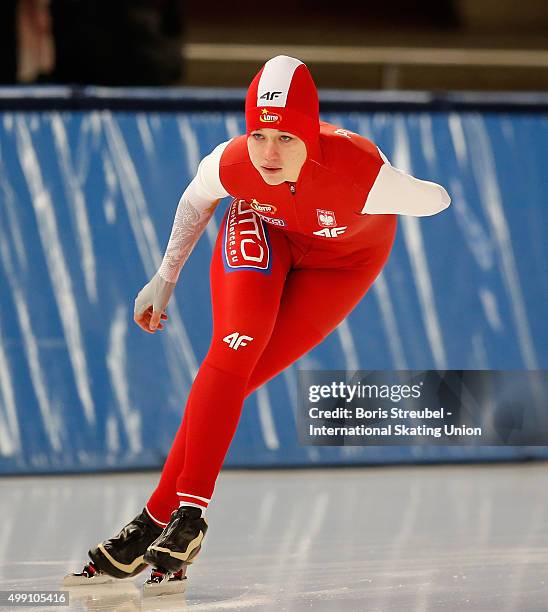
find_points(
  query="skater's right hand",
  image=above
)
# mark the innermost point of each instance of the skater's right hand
(151, 303)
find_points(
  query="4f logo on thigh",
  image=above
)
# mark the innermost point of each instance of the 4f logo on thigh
(236, 340)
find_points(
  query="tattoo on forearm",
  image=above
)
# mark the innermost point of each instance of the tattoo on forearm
(187, 228)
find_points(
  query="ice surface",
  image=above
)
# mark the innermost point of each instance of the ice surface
(414, 538)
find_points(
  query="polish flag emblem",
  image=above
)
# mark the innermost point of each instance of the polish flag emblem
(326, 218)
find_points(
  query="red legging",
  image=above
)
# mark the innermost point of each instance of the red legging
(285, 302)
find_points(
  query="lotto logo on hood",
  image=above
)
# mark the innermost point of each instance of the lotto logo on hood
(269, 117)
(326, 218)
(268, 209)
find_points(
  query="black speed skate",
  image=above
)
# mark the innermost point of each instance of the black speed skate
(120, 556)
(175, 548)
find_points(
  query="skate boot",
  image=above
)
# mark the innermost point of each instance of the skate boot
(120, 556)
(175, 549)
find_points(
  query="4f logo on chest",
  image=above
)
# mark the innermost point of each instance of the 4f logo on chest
(326, 218)
(331, 232)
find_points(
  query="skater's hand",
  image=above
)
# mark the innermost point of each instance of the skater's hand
(151, 303)
(146, 322)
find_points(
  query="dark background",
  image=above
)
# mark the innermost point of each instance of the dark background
(173, 42)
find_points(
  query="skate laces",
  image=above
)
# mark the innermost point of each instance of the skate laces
(181, 522)
(133, 530)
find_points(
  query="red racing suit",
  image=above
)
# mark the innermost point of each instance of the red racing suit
(290, 262)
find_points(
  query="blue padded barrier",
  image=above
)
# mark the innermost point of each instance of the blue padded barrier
(87, 197)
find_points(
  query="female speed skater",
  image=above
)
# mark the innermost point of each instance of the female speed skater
(313, 206)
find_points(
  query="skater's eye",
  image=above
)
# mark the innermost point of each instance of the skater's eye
(257, 136)
(285, 138)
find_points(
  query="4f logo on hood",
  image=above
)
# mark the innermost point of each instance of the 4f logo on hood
(270, 95)
(269, 116)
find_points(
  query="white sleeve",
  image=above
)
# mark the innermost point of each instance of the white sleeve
(195, 209)
(207, 180)
(396, 192)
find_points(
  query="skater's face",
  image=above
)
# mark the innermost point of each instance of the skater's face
(277, 156)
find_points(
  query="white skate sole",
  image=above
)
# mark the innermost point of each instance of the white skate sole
(89, 575)
(81, 580)
(165, 583)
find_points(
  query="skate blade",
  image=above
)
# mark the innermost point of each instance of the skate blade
(81, 580)
(169, 586)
